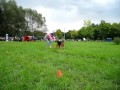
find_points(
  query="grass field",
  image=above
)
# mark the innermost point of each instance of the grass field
(84, 66)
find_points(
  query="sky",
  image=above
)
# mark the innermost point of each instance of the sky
(70, 14)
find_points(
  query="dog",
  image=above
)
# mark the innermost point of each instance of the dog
(60, 43)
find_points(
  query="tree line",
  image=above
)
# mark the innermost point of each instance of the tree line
(92, 31)
(15, 20)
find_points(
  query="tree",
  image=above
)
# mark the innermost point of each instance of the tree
(39, 34)
(73, 34)
(97, 33)
(34, 20)
(105, 29)
(59, 33)
(115, 30)
(82, 32)
(87, 30)
(87, 23)
(15, 20)
(2, 17)
(11, 20)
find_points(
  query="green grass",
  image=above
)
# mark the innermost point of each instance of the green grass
(84, 66)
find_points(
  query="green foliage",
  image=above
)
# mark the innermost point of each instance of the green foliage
(58, 33)
(34, 20)
(73, 34)
(116, 40)
(87, 23)
(97, 31)
(39, 34)
(84, 66)
(14, 19)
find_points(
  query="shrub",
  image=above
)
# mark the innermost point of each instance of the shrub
(116, 40)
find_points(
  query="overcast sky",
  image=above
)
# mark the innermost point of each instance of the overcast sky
(70, 14)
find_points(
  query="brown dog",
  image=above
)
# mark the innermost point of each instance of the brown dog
(60, 43)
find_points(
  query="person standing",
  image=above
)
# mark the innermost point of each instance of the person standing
(49, 38)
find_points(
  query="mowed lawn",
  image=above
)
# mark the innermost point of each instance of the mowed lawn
(84, 66)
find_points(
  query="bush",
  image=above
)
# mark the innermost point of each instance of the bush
(116, 40)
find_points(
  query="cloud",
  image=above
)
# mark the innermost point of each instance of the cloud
(71, 13)
(60, 19)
